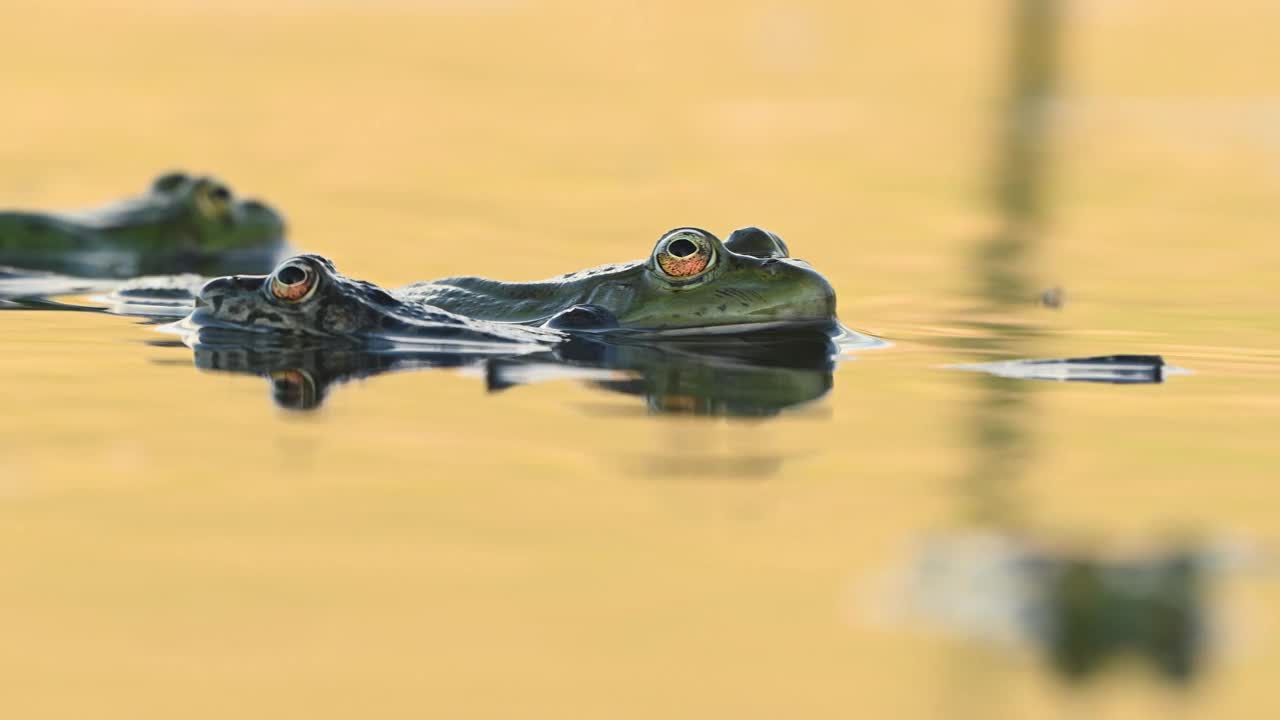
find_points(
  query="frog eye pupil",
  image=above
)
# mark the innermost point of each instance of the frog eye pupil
(682, 247)
(291, 275)
(220, 193)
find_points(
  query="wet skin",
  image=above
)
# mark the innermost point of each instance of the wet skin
(691, 281)
(181, 223)
(306, 299)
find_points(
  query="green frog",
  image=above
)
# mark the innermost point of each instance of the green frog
(691, 280)
(182, 223)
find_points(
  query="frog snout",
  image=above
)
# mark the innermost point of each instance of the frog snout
(213, 292)
(816, 296)
(232, 283)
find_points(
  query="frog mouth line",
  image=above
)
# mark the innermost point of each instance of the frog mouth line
(739, 328)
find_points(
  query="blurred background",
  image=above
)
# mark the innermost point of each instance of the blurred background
(919, 543)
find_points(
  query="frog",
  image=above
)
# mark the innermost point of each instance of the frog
(181, 223)
(691, 283)
(306, 302)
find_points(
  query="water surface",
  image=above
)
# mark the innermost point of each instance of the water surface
(179, 544)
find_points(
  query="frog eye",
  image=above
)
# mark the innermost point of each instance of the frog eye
(293, 282)
(213, 200)
(684, 254)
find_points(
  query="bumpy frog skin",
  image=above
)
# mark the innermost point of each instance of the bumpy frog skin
(691, 282)
(183, 223)
(306, 298)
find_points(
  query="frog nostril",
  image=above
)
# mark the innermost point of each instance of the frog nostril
(211, 296)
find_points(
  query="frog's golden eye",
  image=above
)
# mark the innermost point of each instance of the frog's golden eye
(213, 200)
(293, 282)
(684, 254)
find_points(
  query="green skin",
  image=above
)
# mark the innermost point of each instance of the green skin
(181, 224)
(756, 288)
(750, 281)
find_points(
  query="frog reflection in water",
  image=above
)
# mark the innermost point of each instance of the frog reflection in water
(183, 223)
(686, 378)
(691, 283)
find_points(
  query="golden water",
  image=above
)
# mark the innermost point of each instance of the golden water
(174, 545)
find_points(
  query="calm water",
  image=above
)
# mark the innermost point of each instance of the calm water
(179, 544)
